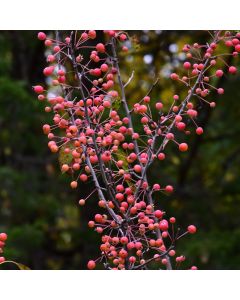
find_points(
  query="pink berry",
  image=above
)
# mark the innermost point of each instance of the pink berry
(164, 261)
(119, 196)
(137, 168)
(220, 91)
(48, 43)
(158, 214)
(235, 41)
(192, 113)
(104, 67)
(169, 188)
(170, 136)
(174, 76)
(159, 105)
(3, 236)
(199, 131)
(219, 73)
(163, 225)
(192, 229)
(74, 184)
(91, 224)
(42, 36)
(48, 71)
(92, 34)
(161, 156)
(38, 89)
(132, 259)
(156, 187)
(100, 48)
(172, 252)
(228, 43)
(124, 240)
(83, 177)
(122, 37)
(232, 70)
(237, 48)
(181, 125)
(144, 120)
(81, 202)
(176, 97)
(91, 265)
(187, 65)
(67, 40)
(146, 99)
(98, 218)
(2, 259)
(56, 49)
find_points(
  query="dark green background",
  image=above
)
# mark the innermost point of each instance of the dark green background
(39, 211)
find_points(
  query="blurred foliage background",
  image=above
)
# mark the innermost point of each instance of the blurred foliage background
(39, 211)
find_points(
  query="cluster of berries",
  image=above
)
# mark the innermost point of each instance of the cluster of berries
(97, 140)
(3, 238)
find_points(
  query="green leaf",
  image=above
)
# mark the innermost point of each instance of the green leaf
(116, 104)
(121, 155)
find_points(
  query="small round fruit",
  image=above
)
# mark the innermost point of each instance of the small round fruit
(192, 229)
(91, 265)
(183, 147)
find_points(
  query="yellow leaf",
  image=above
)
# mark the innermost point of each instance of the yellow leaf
(65, 158)
(20, 266)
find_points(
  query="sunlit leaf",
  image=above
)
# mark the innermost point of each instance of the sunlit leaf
(116, 104)
(63, 157)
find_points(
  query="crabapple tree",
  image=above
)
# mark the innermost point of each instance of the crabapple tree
(93, 132)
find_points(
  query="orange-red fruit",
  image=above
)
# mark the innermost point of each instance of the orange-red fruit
(81, 202)
(161, 156)
(3, 236)
(65, 168)
(46, 128)
(74, 184)
(183, 147)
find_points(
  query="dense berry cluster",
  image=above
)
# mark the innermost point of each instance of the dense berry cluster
(3, 238)
(93, 132)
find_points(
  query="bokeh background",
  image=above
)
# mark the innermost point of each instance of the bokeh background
(47, 229)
